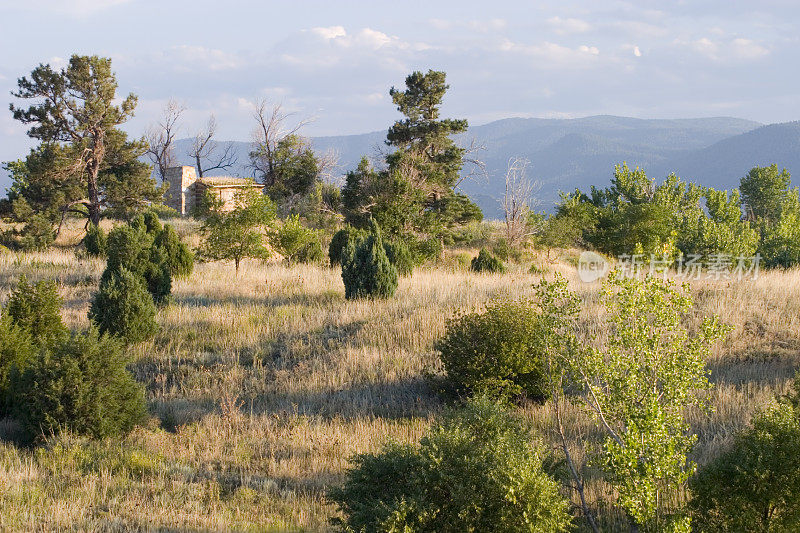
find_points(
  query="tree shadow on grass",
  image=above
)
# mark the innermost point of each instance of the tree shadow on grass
(762, 369)
(413, 397)
(320, 299)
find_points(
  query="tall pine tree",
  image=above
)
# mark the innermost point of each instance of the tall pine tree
(416, 190)
(85, 163)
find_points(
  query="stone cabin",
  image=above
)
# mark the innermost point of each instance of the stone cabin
(186, 190)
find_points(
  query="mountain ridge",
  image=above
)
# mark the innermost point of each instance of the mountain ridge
(580, 152)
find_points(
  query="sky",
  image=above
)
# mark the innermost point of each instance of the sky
(334, 61)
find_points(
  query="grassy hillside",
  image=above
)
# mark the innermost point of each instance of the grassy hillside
(260, 387)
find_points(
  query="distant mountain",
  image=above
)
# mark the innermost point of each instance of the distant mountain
(724, 163)
(569, 153)
(563, 153)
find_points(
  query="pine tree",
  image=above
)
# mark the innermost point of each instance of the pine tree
(366, 270)
(416, 190)
(81, 385)
(37, 310)
(132, 248)
(123, 307)
(85, 163)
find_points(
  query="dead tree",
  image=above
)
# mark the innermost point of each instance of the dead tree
(518, 201)
(476, 167)
(270, 130)
(206, 152)
(160, 138)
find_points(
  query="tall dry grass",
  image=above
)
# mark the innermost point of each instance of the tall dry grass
(261, 386)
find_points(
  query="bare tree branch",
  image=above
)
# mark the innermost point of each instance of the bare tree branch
(160, 138)
(518, 200)
(328, 163)
(476, 165)
(271, 129)
(205, 150)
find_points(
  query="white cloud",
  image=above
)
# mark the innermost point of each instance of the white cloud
(331, 32)
(747, 49)
(737, 49)
(364, 38)
(565, 26)
(706, 47)
(375, 39)
(375, 98)
(637, 52)
(336, 47)
(553, 55)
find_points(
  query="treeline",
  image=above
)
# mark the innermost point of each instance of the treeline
(635, 215)
(85, 166)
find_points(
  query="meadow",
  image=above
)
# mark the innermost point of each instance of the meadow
(261, 386)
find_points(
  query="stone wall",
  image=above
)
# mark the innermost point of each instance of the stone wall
(180, 195)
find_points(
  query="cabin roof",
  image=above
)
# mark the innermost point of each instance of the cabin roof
(226, 181)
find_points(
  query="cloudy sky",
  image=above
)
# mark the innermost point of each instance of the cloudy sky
(336, 60)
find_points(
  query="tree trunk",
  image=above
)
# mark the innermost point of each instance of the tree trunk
(93, 194)
(93, 171)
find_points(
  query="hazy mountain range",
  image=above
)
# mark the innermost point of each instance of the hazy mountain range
(569, 153)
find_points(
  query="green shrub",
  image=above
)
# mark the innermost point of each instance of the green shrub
(132, 248)
(80, 385)
(486, 262)
(375, 486)
(754, 485)
(340, 241)
(398, 252)
(37, 234)
(123, 307)
(311, 253)
(537, 270)
(430, 249)
(95, 241)
(30, 321)
(163, 212)
(400, 256)
(366, 271)
(148, 220)
(179, 258)
(502, 249)
(462, 261)
(475, 470)
(794, 396)
(495, 352)
(37, 309)
(17, 351)
(291, 238)
(474, 234)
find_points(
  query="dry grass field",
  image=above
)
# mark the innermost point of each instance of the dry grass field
(261, 386)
